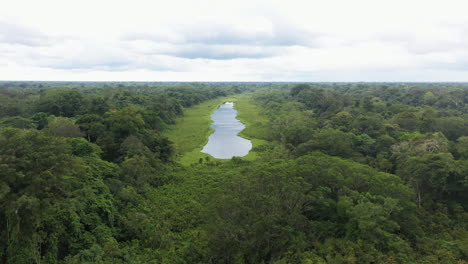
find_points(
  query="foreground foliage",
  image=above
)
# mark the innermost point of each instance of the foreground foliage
(352, 173)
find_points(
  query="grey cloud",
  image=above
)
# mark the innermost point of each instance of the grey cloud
(69, 56)
(281, 34)
(21, 35)
(220, 52)
(115, 61)
(213, 41)
(461, 64)
(202, 51)
(82, 56)
(108, 65)
(112, 66)
(220, 42)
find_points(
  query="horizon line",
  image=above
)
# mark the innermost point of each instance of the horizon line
(90, 81)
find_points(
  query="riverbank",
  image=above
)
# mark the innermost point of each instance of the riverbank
(191, 131)
(255, 130)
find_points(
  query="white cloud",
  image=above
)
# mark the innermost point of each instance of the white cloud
(216, 40)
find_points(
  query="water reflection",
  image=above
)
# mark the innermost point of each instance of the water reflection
(224, 143)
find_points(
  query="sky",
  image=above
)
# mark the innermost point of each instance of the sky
(238, 40)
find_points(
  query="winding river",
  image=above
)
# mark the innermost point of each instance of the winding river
(224, 143)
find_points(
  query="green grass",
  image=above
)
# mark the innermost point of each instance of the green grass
(249, 114)
(191, 132)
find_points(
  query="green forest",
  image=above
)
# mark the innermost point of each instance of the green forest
(111, 172)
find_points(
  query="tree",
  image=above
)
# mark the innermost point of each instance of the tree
(367, 104)
(153, 120)
(62, 127)
(293, 128)
(429, 98)
(428, 174)
(428, 121)
(60, 103)
(384, 142)
(296, 90)
(462, 147)
(17, 122)
(92, 125)
(10, 106)
(41, 120)
(371, 125)
(257, 217)
(37, 171)
(314, 204)
(160, 145)
(330, 141)
(325, 102)
(406, 120)
(341, 121)
(452, 127)
(124, 122)
(95, 105)
(416, 144)
(53, 204)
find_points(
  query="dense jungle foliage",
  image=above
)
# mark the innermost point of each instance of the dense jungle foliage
(352, 173)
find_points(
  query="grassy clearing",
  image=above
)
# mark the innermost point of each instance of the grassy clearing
(249, 114)
(191, 132)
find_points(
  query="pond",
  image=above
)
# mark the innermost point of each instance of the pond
(224, 143)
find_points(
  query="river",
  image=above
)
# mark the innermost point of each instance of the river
(224, 143)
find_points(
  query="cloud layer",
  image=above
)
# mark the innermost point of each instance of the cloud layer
(241, 40)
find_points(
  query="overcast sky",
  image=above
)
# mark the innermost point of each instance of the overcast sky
(287, 40)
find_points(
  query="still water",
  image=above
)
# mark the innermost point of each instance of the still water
(224, 143)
